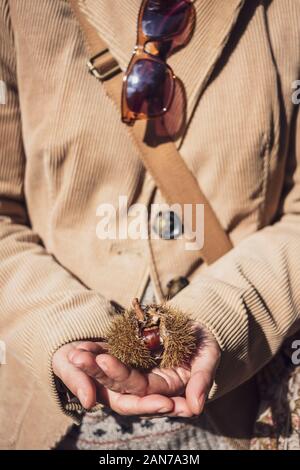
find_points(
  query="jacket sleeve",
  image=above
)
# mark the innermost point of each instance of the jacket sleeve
(42, 306)
(250, 298)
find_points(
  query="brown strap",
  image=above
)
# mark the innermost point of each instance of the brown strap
(169, 171)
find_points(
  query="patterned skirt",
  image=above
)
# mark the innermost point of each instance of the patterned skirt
(278, 423)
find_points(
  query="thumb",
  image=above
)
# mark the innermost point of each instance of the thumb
(202, 375)
(74, 379)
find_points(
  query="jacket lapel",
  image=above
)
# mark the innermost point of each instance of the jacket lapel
(117, 22)
(195, 63)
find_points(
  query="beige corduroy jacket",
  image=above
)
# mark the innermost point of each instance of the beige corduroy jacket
(64, 151)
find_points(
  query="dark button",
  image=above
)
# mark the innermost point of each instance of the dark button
(176, 285)
(167, 225)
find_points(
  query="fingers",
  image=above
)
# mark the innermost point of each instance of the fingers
(120, 378)
(130, 392)
(181, 408)
(202, 375)
(129, 405)
(91, 346)
(96, 347)
(151, 405)
(197, 390)
(169, 382)
(83, 386)
(111, 373)
(79, 383)
(123, 399)
(123, 403)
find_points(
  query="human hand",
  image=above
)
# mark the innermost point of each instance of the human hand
(89, 390)
(131, 392)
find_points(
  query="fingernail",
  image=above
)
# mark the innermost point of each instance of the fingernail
(82, 397)
(77, 362)
(164, 410)
(71, 355)
(103, 366)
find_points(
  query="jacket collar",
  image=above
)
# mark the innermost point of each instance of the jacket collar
(117, 22)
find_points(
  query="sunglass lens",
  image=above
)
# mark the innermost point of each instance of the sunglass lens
(149, 88)
(165, 18)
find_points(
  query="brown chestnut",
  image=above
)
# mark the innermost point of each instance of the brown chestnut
(151, 337)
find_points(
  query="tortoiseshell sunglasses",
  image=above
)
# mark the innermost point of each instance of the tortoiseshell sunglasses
(149, 82)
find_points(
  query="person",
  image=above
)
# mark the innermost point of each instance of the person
(64, 152)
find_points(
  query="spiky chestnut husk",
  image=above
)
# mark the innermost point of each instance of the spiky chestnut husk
(153, 336)
(125, 343)
(179, 338)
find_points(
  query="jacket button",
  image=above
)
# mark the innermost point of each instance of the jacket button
(176, 285)
(167, 225)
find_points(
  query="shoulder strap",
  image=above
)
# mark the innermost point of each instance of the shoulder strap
(169, 171)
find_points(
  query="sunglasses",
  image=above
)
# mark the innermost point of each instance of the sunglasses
(149, 82)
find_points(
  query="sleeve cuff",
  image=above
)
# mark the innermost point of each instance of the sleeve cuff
(85, 316)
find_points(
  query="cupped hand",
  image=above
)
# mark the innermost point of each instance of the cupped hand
(181, 391)
(88, 389)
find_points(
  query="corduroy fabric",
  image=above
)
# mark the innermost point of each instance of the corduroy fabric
(64, 151)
